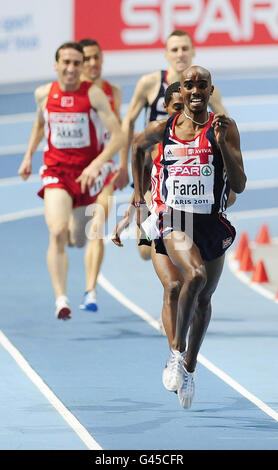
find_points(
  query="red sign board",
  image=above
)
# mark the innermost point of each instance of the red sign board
(146, 24)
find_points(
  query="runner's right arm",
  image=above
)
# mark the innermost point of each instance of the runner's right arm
(137, 103)
(152, 135)
(37, 132)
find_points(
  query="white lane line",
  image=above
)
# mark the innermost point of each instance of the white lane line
(209, 365)
(262, 184)
(83, 434)
(105, 284)
(17, 118)
(245, 100)
(21, 214)
(253, 100)
(17, 149)
(239, 388)
(11, 216)
(253, 214)
(260, 154)
(257, 126)
(15, 180)
(77, 427)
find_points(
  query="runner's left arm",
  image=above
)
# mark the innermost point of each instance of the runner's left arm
(228, 140)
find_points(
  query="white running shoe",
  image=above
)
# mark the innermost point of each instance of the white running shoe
(172, 376)
(89, 301)
(187, 389)
(63, 311)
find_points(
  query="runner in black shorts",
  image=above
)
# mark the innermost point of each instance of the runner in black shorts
(208, 231)
(200, 163)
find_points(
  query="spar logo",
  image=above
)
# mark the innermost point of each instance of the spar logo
(184, 170)
(238, 21)
(206, 170)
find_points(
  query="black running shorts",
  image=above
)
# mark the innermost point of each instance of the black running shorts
(212, 233)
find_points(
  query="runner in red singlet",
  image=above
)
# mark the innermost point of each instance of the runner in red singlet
(75, 162)
(92, 70)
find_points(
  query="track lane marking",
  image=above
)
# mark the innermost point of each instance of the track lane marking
(106, 285)
(71, 420)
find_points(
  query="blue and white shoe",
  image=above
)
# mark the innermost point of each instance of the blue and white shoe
(89, 301)
(186, 391)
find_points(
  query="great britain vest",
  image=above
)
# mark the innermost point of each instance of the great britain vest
(192, 177)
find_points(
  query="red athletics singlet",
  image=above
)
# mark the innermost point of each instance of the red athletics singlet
(157, 204)
(74, 134)
(70, 131)
(108, 90)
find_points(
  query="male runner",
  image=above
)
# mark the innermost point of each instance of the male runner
(73, 157)
(92, 70)
(201, 161)
(168, 274)
(150, 89)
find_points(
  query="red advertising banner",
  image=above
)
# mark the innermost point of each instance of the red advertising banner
(146, 24)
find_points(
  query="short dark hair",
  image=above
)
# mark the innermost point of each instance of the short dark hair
(89, 42)
(173, 88)
(180, 32)
(69, 45)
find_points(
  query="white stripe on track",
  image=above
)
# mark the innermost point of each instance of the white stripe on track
(253, 214)
(259, 154)
(72, 421)
(15, 180)
(17, 149)
(262, 184)
(105, 284)
(77, 427)
(17, 118)
(253, 100)
(21, 214)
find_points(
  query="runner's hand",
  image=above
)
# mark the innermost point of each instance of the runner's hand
(25, 168)
(221, 124)
(87, 177)
(121, 178)
(122, 225)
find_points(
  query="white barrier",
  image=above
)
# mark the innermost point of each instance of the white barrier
(30, 33)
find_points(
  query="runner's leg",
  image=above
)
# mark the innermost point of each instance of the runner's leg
(95, 247)
(58, 207)
(172, 281)
(202, 314)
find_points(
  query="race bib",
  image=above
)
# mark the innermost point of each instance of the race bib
(97, 186)
(190, 185)
(69, 130)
